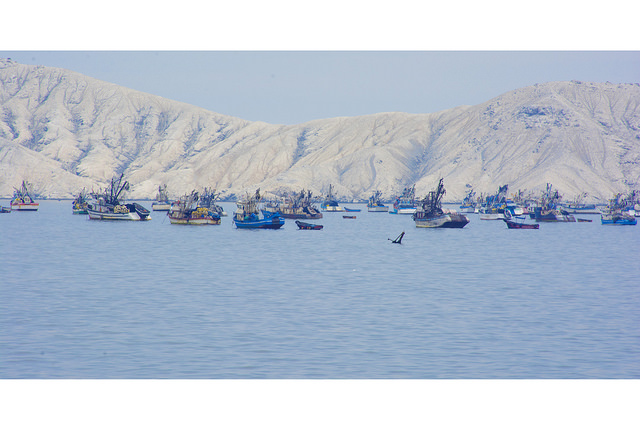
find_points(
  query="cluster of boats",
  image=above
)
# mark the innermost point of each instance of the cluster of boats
(253, 211)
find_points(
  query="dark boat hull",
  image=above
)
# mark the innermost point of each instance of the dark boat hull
(306, 226)
(520, 225)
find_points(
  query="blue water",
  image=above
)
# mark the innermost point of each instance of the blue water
(91, 299)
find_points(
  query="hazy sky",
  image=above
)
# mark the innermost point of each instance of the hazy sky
(287, 61)
(287, 87)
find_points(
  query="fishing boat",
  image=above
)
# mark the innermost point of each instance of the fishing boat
(549, 208)
(469, 203)
(108, 206)
(80, 204)
(494, 206)
(405, 204)
(250, 215)
(295, 206)
(162, 202)
(22, 199)
(5, 209)
(307, 226)
(186, 211)
(429, 213)
(375, 203)
(208, 198)
(577, 206)
(330, 204)
(517, 222)
(620, 211)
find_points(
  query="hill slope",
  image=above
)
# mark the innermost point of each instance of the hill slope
(63, 131)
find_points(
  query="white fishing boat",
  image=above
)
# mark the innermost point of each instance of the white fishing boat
(375, 203)
(107, 205)
(22, 200)
(162, 202)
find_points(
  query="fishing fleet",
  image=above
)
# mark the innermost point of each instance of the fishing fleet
(520, 210)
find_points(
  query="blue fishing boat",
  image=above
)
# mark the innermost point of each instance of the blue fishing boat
(620, 210)
(249, 214)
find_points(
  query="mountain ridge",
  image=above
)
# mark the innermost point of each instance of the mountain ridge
(63, 131)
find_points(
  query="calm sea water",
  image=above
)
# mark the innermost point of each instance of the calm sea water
(92, 299)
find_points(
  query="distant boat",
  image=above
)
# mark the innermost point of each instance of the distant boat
(307, 226)
(186, 211)
(495, 207)
(375, 203)
(578, 207)
(80, 204)
(429, 213)
(620, 210)
(108, 206)
(351, 210)
(330, 204)
(296, 206)
(549, 208)
(22, 199)
(207, 199)
(517, 222)
(249, 214)
(469, 203)
(349, 216)
(405, 204)
(4, 209)
(162, 202)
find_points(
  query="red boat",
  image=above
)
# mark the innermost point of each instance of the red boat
(306, 226)
(513, 224)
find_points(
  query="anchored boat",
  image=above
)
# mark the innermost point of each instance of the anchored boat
(186, 211)
(22, 200)
(162, 202)
(375, 203)
(405, 204)
(108, 206)
(297, 206)
(250, 215)
(549, 208)
(429, 213)
(307, 226)
(80, 204)
(330, 204)
(620, 210)
(208, 199)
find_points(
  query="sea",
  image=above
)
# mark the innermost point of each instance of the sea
(83, 299)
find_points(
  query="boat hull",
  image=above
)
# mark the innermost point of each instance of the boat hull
(195, 221)
(161, 207)
(442, 221)
(135, 212)
(617, 220)
(521, 226)
(306, 226)
(491, 216)
(301, 215)
(271, 223)
(552, 216)
(333, 209)
(403, 211)
(378, 208)
(25, 207)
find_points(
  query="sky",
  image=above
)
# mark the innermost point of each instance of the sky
(285, 63)
(290, 87)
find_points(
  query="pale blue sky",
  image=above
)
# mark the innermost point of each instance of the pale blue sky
(288, 87)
